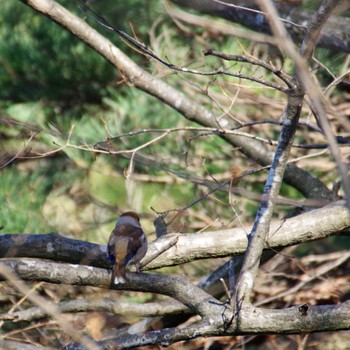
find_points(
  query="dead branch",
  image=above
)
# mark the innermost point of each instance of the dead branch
(83, 305)
(178, 288)
(289, 321)
(310, 186)
(334, 36)
(219, 319)
(313, 225)
(260, 230)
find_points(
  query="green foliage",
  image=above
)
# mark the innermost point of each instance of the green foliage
(137, 15)
(290, 192)
(52, 80)
(40, 60)
(27, 112)
(22, 195)
(336, 63)
(107, 189)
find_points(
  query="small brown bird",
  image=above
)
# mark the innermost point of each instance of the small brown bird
(127, 245)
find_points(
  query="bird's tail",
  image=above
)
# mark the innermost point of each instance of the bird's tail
(118, 275)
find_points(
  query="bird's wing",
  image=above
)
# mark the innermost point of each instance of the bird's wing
(124, 245)
(134, 244)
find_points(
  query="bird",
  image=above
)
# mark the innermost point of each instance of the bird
(127, 245)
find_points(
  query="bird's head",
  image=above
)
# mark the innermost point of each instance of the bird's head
(130, 218)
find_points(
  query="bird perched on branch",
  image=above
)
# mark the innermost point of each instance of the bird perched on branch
(127, 245)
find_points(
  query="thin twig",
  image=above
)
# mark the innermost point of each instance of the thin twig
(88, 11)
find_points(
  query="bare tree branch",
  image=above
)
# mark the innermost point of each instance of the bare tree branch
(213, 25)
(13, 345)
(315, 273)
(309, 85)
(334, 36)
(219, 319)
(307, 184)
(116, 307)
(176, 287)
(237, 315)
(312, 225)
(7, 272)
(260, 229)
(288, 321)
(254, 61)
